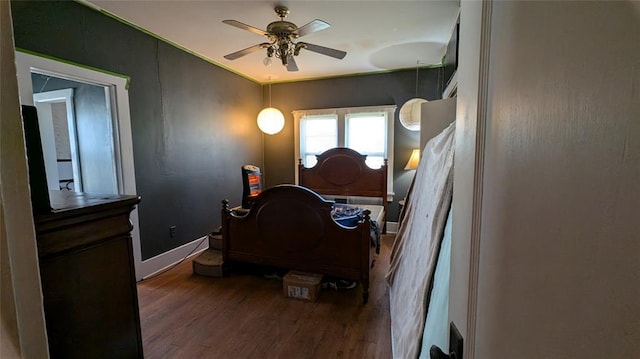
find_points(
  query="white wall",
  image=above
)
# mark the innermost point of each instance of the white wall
(466, 205)
(435, 117)
(22, 328)
(559, 241)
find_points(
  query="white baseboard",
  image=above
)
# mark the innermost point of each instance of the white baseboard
(167, 259)
(392, 227)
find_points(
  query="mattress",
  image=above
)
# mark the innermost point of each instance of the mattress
(416, 247)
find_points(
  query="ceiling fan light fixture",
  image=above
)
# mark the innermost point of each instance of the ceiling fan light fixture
(281, 35)
(299, 46)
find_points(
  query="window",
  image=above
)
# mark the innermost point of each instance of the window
(317, 134)
(367, 134)
(368, 130)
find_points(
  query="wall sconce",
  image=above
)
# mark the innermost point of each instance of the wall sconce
(270, 119)
(414, 159)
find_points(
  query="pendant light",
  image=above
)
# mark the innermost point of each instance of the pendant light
(270, 119)
(410, 111)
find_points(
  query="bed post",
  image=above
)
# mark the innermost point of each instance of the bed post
(300, 172)
(366, 250)
(225, 234)
(383, 230)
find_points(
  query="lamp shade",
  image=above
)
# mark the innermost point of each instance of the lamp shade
(270, 120)
(414, 159)
(410, 114)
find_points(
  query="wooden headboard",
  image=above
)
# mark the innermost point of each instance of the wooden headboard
(342, 171)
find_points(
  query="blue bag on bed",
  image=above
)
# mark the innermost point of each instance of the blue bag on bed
(347, 215)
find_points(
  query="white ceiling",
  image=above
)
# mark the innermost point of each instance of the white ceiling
(378, 36)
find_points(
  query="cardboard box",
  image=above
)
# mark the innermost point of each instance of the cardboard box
(301, 285)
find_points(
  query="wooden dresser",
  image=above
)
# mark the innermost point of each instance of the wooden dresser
(88, 276)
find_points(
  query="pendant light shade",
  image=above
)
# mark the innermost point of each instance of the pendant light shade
(270, 120)
(410, 114)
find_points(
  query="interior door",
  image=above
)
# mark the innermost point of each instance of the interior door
(57, 124)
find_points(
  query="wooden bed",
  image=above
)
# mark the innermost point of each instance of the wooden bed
(343, 173)
(292, 227)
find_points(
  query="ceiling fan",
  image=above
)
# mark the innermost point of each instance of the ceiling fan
(281, 35)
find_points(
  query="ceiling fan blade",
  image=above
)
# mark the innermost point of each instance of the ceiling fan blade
(338, 54)
(243, 26)
(291, 64)
(313, 26)
(248, 50)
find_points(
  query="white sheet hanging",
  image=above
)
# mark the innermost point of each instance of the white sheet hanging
(415, 250)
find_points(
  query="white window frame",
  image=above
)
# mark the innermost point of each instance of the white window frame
(341, 113)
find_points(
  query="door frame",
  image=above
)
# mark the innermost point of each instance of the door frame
(472, 106)
(27, 62)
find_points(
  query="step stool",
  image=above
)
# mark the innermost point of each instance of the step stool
(209, 263)
(215, 241)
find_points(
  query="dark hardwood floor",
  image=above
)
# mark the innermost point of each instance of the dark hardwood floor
(245, 315)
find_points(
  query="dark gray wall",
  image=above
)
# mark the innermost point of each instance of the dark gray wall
(193, 123)
(393, 88)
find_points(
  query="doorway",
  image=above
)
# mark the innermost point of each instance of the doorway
(116, 132)
(77, 133)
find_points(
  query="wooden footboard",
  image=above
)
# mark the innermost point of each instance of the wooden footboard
(291, 227)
